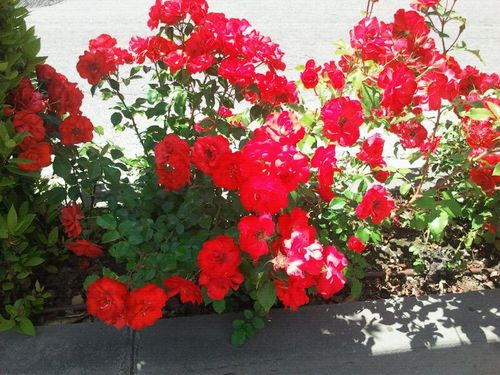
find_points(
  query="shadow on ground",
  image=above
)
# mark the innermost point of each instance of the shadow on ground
(451, 334)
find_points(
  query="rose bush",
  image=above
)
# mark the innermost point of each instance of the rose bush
(245, 194)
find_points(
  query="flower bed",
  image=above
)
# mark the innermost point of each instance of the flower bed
(246, 195)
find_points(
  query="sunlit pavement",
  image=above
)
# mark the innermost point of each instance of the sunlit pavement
(303, 28)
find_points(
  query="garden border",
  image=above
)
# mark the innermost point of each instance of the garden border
(449, 334)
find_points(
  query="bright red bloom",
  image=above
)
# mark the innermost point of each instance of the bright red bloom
(335, 75)
(64, 96)
(409, 27)
(375, 204)
(207, 151)
(200, 63)
(282, 127)
(480, 134)
(76, 129)
(187, 290)
(70, 219)
(219, 256)
(424, 4)
(371, 150)
(85, 248)
(264, 195)
(483, 177)
(144, 306)
(342, 118)
(31, 123)
(309, 76)
(324, 159)
(94, 66)
(219, 286)
(254, 234)
(26, 98)
(332, 280)
(39, 154)
(373, 39)
(219, 260)
(471, 79)
(175, 60)
(172, 162)
(226, 172)
(297, 219)
(412, 133)
(399, 87)
(355, 244)
(106, 299)
(293, 293)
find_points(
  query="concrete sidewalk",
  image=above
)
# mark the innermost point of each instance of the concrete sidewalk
(452, 334)
(303, 28)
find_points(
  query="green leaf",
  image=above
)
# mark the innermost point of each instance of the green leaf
(337, 203)
(116, 118)
(258, 322)
(107, 221)
(437, 225)
(62, 167)
(89, 280)
(266, 296)
(110, 236)
(496, 171)
(12, 219)
(53, 236)
(238, 337)
(35, 261)
(219, 305)
(26, 326)
(479, 114)
(6, 324)
(405, 188)
(248, 314)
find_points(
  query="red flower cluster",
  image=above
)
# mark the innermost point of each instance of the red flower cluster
(309, 76)
(376, 204)
(172, 162)
(110, 301)
(28, 107)
(219, 260)
(102, 58)
(342, 118)
(70, 219)
(85, 248)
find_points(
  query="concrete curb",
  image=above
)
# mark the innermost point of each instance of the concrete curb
(450, 334)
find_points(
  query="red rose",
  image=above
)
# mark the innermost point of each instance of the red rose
(292, 293)
(31, 123)
(187, 290)
(335, 75)
(412, 133)
(39, 154)
(172, 162)
(483, 177)
(254, 234)
(64, 96)
(76, 129)
(309, 76)
(26, 98)
(207, 151)
(219, 286)
(355, 244)
(85, 248)
(264, 195)
(200, 63)
(175, 60)
(371, 150)
(70, 219)
(106, 300)
(219, 256)
(342, 118)
(226, 172)
(144, 306)
(375, 204)
(45, 72)
(94, 66)
(410, 28)
(332, 280)
(399, 87)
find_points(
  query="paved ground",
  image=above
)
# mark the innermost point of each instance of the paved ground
(303, 28)
(453, 334)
